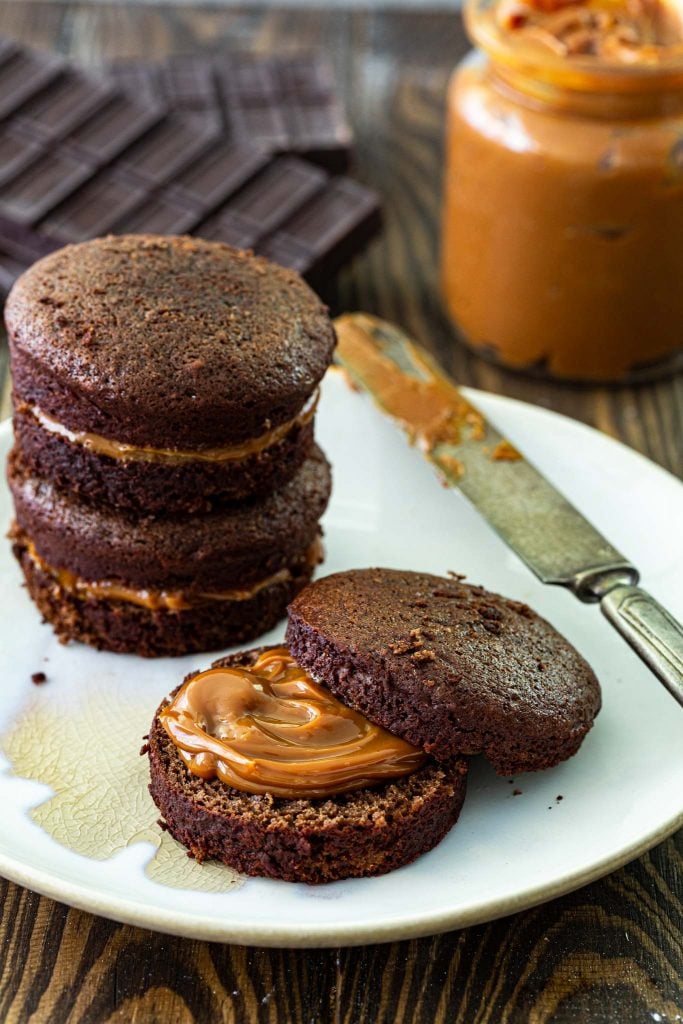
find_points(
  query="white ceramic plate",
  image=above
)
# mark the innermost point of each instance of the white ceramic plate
(78, 824)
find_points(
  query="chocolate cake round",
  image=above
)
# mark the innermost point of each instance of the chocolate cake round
(166, 586)
(354, 834)
(447, 666)
(164, 374)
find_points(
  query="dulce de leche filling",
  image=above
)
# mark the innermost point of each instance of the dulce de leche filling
(154, 600)
(171, 456)
(625, 31)
(563, 213)
(270, 729)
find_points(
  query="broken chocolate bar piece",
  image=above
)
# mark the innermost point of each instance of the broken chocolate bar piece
(22, 75)
(79, 159)
(19, 248)
(285, 103)
(65, 104)
(43, 183)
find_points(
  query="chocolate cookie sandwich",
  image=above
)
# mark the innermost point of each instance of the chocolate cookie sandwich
(449, 667)
(343, 753)
(166, 586)
(164, 374)
(254, 764)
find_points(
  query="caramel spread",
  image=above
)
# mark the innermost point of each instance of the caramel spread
(271, 729)
(153, 600)
(563, 213)
(623, 31)
(171, 456)
(430, 408)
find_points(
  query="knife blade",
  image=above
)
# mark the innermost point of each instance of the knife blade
(547, 532)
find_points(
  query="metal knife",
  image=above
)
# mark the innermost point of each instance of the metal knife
(557, 543)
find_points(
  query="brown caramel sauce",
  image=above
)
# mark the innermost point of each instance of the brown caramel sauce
(153, 600)
(627, 31)
(271, 729)
(171, 456)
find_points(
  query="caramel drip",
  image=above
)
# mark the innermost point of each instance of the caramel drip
(171, 456)
(155, 600)
(271, 729)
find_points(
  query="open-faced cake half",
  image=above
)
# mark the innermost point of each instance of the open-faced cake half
(254, 765)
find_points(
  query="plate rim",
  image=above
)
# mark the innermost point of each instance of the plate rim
(321, 936)
(88, 898)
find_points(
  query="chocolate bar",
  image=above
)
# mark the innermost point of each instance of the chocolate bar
(19, 248)
(287, 104)
(22, 74)
(79, 158)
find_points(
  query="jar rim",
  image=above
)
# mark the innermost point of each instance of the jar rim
(660, 65)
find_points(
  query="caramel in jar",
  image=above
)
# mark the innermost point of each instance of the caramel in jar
(563, 216)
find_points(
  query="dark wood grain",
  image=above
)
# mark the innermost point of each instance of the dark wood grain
(612, 952)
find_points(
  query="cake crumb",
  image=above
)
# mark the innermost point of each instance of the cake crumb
(495, 628)
(516, 792)
(453, 468)
(475, 421)
(559, 797)
(423, 656)
(38, 678)
(412, 644)
(505, 452)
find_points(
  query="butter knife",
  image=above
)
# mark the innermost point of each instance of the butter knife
(551, 536)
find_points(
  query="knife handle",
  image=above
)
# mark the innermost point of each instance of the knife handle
(651, 631)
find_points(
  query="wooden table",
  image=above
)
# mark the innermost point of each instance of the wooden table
(612, 952)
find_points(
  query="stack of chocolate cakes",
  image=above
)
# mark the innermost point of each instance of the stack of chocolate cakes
(166, 483)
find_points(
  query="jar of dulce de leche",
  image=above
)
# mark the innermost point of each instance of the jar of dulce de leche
(563, 217)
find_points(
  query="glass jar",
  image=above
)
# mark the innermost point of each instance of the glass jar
(562, 245)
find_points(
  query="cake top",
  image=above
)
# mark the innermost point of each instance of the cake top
(447, 666)
(153, 339)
